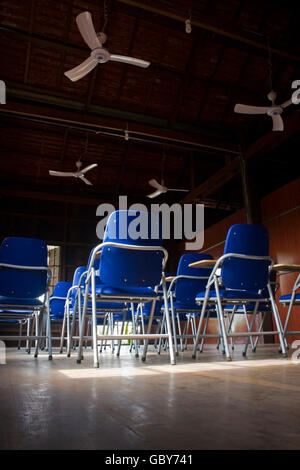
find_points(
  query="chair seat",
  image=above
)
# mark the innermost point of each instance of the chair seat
(101, 306)
(262, 307)
(126, 292)
(120, 316)
(230, 294)
(13, 301)
(287, 298)
(9, 320)
(192, 307)
(106, 305)
(155, 321)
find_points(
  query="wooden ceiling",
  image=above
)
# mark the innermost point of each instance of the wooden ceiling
(180, 107)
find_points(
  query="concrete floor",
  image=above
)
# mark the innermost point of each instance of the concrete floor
(206, 403)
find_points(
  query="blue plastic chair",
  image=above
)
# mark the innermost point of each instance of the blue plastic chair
(128, 266)
(74, 306)
(291, 300)
(57, 302)
(245, 279)
(182, 292)
(24, 279)
(58, 298)
(151, 314)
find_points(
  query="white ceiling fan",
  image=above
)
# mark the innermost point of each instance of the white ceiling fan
(274, 111)
(77, 174)
(160, 188)
(99, 54)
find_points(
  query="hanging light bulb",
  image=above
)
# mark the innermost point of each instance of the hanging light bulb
(188, 26)
(126, 132)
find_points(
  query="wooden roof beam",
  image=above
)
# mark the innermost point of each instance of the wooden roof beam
(115, 127)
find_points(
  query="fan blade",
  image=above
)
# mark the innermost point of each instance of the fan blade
(245, 109)
(81, 70)
(181, 190)
(85, 25)
(86, 180)
(277, 122)
(155, 184)
(286, 104)
(60, 173)
(155, 194)
(88, 168)
(129, 60)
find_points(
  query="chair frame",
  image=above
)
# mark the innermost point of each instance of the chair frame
(36, 310)
(192, 310)
(219, 301)
(91, 283)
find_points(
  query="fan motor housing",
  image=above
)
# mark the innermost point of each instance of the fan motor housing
(101, 55)
(274, 110)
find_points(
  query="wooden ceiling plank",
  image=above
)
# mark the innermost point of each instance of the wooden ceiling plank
(228, 33)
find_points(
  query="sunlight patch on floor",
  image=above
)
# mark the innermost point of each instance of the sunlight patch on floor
(144, 370)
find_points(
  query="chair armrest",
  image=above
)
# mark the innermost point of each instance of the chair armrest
(204, 263)
(286, 268)
(26, 268)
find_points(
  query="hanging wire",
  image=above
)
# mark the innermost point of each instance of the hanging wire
(270, 63)
(105, 14)
(85, 147)
(163, 165)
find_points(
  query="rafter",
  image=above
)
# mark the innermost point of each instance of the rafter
(145, 132)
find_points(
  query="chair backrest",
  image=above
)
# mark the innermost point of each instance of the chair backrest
(57, 306)
(121, 267)
(187, 289)
(76, 278)
(243, 274)
(19, 283)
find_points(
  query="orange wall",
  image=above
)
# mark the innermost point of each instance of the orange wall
(281, 216)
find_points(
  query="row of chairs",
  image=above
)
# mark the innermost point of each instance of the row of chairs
(186, 303)
(124, 283)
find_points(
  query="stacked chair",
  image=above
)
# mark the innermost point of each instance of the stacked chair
(181, 294)
(24, 279)
(245, 267)
(57, 302)
(151, 315)
(130, 272)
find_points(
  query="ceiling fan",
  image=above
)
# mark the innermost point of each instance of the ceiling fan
(274, 111)
(77, 174)
(161, 188)
(99, 54)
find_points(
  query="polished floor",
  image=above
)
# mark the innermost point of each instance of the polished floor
(206, 403)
